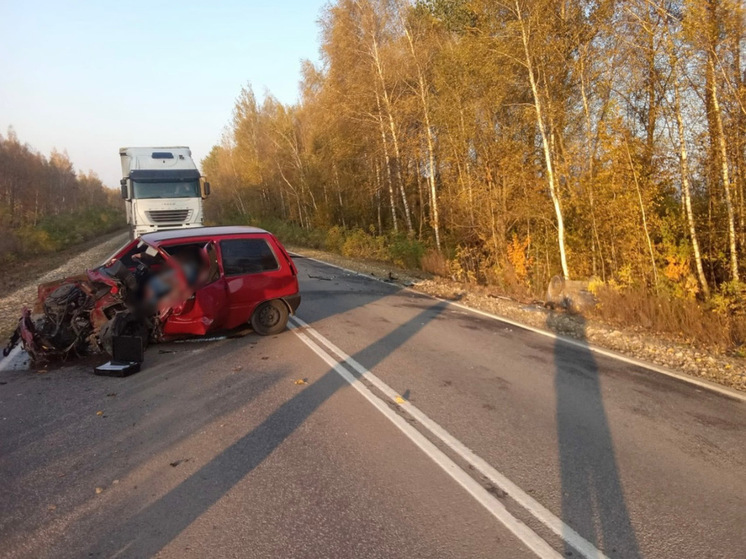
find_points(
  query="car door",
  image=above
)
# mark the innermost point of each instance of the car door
(206, 309)
(252, 273)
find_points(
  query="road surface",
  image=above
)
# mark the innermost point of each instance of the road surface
(383, 424)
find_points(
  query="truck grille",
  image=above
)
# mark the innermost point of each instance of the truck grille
(169, 216)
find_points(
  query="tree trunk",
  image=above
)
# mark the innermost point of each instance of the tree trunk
(644, 215)
(434, 221)
(553, 190)
(387, 161)
(686, 191)
(392, 126)
(723, 156)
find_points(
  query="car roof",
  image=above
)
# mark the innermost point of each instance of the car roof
(219, 231)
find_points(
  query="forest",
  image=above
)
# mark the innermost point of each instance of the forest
(505, 142)
(45, 205)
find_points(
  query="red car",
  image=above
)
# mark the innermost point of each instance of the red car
(166, 285)
(239, 275)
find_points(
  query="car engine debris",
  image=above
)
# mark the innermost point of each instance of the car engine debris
(84, 314)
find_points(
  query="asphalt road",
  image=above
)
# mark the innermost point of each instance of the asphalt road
(351, 435)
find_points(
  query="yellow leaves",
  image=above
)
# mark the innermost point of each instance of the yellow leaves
(519, 258)
(678, 272)
(595, 285)
(676, 268)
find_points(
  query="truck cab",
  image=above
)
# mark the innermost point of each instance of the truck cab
(162, 189)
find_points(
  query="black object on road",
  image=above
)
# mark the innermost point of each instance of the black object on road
(128, 353)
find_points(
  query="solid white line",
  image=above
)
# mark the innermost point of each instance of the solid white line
(708, 385)
(525, 534)
(532, 506)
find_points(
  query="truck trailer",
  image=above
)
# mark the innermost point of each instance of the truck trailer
(162, 189)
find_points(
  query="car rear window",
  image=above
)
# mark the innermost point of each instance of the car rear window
(247, 256)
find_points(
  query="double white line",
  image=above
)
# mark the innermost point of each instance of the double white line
(343, 364)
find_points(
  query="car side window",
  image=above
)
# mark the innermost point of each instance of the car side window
(247, 256)
(127, 258)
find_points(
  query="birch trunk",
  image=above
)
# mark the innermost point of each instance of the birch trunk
(434, 218)
(387, 161)
(392, 127)
(723, 156)
(553, 191)
(644, 215)
(686, 191)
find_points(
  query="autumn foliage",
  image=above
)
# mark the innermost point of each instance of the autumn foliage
(504, 142)
(46, 206)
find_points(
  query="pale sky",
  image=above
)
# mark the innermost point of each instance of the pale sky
(92, 76)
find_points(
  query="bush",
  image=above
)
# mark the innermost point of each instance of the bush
(293, 234)
(359, 244)
(335, 238)
(405, 252)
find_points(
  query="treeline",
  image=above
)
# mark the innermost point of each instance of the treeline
(509, 141)
(45, 205)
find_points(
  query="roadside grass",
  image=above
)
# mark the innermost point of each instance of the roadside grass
(57, 233)
(718, 324)
(21, 271)
(395, 248)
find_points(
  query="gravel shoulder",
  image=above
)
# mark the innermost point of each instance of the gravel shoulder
(662, 351)
(20, 281)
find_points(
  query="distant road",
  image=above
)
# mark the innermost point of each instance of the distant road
(352, 436)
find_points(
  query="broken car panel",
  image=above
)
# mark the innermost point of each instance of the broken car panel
(162, 286)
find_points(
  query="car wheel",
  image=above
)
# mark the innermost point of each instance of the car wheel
(271, 317)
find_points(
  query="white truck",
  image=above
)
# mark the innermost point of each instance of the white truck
(162, 189)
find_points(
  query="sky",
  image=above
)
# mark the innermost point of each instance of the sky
(90, 77)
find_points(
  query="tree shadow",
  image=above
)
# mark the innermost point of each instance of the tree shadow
(157, 524)
(593, 501)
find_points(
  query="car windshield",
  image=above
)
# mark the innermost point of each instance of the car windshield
(188, 189)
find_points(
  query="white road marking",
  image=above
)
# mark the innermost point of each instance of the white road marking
(525, 534)
(701, 383)
(17, 360)
(531, 505)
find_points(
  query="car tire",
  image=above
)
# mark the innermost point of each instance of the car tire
(271, 317)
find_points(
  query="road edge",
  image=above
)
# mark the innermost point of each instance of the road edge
(701, 383)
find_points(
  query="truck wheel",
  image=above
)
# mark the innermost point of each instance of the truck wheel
(271, 317)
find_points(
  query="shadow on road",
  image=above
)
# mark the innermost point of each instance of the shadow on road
(156, 525)
(593, 500)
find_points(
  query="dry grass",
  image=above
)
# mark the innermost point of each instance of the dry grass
(686, 319)
(433, 262)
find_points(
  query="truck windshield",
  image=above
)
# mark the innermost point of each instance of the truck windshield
(189, 189)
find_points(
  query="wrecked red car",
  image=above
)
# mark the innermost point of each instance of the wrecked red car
(166, 285)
